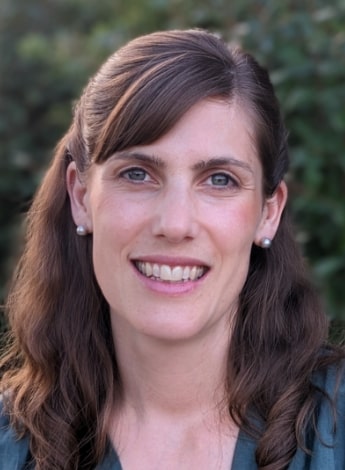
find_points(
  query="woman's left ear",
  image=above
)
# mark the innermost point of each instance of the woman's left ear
(77, 191)
(272, 211)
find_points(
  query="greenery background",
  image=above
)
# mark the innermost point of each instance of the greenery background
(49, 48)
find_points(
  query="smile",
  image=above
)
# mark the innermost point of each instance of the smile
(164, 272)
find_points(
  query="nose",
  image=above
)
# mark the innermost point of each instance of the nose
(175, 215)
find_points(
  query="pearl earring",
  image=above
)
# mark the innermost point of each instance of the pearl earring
(81, 230)
(266, 242)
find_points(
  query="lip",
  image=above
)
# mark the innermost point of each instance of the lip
(170, 260)
(170, 288)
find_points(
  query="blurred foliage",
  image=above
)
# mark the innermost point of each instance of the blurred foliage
(49, 48)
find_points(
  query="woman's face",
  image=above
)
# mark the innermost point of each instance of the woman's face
(173, 224)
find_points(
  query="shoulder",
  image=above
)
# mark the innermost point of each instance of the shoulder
(328, 446)
(13, 451)
(15, 455)
(326, 437)
(331, 383)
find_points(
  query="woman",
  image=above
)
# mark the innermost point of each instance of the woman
(161, 315)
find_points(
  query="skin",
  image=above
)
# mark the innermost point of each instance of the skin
(192, 198)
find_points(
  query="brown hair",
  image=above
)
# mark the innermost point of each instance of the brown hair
(59, 319)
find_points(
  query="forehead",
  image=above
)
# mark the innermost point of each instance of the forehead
(209, 128)
(211, 135)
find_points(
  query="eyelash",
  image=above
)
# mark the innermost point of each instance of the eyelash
(128, 174)
(230, 181)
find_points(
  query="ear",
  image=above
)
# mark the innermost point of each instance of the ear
(272, 211)
(77, 190)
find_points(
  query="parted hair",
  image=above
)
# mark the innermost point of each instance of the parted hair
(60, 375)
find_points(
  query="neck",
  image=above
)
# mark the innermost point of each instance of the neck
(172, 378)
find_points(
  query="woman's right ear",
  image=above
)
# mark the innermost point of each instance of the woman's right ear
(78, 195)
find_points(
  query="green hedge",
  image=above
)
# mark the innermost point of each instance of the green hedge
(48, 49)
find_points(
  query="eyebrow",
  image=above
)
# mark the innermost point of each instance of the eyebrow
(142, 157)
(201, 165)
(222, 161)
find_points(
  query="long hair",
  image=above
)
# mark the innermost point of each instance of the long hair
(61, 376)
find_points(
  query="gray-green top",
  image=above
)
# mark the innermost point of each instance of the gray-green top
(328, 447)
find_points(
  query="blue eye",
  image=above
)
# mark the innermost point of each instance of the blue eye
(221, 179)
(135, 174)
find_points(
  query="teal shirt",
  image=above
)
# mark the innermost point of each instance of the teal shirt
(328, 447)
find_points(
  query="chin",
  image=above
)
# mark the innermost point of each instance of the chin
(174, 331)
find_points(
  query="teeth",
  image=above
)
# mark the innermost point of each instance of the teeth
(155, 270)
(166, 273)
(186, 272)
(148, 269)
(176, 273)
(171, 274)
(193, 273)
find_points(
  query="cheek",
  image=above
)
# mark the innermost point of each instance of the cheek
(115, 222)
(237, 223)
(106, 207)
